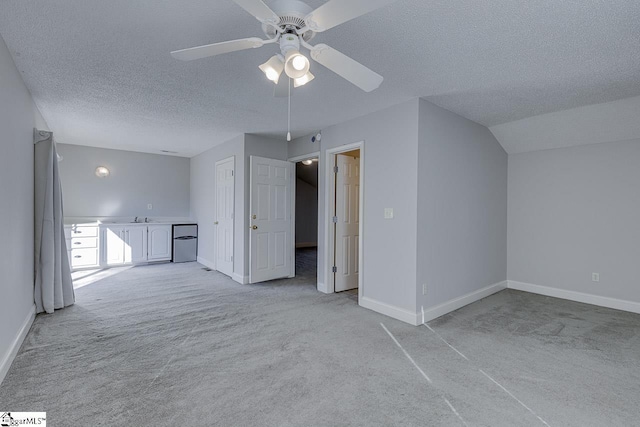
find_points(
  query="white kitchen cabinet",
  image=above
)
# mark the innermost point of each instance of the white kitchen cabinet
(159, 242)
(82, 246)
(124, 245)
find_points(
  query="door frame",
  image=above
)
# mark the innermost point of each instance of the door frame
(294, 160)
(329, 206)
(233, 223)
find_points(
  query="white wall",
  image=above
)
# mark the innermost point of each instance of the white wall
(18, 117)
(136, 180)
(203, 202)
(462, 207)
(390, 179)
(575, 211)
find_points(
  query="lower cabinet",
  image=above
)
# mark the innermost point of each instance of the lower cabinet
(90, 246)
(123, 245)
(159, 242)
(82, 246)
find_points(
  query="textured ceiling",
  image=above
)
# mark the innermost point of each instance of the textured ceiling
(101, 73)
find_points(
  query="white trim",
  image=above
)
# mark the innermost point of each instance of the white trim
(456, 303)
(618, 304)
(206, 263)
(390, 310)
(243, 280)
(321, 287)
(329, 191)
(12, 350)
(292, 220)
(296, 159)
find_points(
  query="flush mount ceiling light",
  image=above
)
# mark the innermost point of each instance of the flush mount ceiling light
(309, 162)
(102, 172)
(292, 24)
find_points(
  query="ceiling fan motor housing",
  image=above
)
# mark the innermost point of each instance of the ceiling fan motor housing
(292, 14)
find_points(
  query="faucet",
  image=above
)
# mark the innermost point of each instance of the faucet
(135, 219)
(146, 219)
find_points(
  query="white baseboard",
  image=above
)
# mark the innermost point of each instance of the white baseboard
(14, 346)
(206, 263)
(322, 287)
(456, 303)
(307, 245)
(398, 313)
(243, 280)
(601, 301)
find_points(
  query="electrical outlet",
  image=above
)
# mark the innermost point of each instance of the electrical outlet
(388, 213)
(149, 206)
(424, 289)
(595, 277)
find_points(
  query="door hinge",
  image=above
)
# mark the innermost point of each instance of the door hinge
(231, 258)
(334, 269)
(335, 219)
(231, 173)
(335, 169)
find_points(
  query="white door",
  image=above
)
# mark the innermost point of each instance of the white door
(113, 245)
(135, 248)
(271, 241)
(225, 199)
(159, 242)
(347, 222)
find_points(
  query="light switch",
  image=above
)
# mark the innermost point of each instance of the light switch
(149, 206)
(388, 213)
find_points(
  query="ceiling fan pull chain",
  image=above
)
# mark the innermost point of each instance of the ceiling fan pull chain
(289, 118)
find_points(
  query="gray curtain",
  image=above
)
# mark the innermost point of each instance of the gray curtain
(53, 285)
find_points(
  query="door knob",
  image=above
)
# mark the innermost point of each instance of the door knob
(254, 227)
(215, 223)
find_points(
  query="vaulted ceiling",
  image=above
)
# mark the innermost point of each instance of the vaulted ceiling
(101, 73)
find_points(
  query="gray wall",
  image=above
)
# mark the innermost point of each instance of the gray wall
(203, 201)
(390, 179)
(462, 207)
(136, 179)
(17, 120)
(255, 145)
(306, 214)
(573, 212)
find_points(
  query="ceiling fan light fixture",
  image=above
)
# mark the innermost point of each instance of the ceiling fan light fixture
(273, 68)
(303, 80)
(296, 64)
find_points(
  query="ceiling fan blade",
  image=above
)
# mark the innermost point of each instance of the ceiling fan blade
(347, 68)
(336, 12)
(261, 11)
(281, 90)
(216, 49)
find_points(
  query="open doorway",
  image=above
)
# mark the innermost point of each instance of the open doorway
(306, 217)
(346, 219)
(343, 207)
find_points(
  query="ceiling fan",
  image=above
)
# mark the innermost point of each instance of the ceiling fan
(292, 24)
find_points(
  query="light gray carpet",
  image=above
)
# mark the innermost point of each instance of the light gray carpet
(168, 345)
